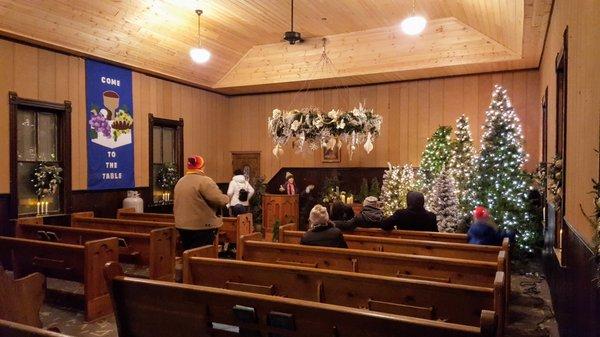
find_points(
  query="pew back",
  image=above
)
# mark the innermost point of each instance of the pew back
(187, 310)
(21, 299)
(87, 220)
(81, 263)
(458, 271)
(415, 298)
(155, 249)
(12, 329)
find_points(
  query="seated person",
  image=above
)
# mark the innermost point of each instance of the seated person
(484, 231)
(370, 216)
(415, 217)
(341, 214)
(322, 232)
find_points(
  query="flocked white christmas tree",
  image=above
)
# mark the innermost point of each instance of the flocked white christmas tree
(462, 165)
(397, 182)
(500, 183)
(444, 203)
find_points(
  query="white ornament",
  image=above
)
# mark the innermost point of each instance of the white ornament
(277, 150)
(368, 144)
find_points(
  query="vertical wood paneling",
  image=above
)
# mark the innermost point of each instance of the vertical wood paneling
(411, 111)
(7, 70)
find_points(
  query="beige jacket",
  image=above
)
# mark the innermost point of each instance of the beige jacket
(196, 200)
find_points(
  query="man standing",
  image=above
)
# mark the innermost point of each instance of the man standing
(196, 201)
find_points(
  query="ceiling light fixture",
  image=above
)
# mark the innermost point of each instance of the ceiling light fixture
(199, 54)
(413, 24)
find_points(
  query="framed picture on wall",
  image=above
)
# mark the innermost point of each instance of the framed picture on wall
(332, 155)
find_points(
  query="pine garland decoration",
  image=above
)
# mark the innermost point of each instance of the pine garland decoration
(445, 203)
(500, 183)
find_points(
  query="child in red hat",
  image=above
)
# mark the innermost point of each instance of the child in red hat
(484, 231)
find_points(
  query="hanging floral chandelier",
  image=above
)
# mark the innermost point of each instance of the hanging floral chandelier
(310, 128)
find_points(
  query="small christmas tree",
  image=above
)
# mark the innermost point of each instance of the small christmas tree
(500, 183)
(444, 203)
(436, 155)
(397, 182)
(375, 190)
(461, 165)
(364, 190)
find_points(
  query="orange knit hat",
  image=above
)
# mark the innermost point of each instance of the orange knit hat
(195, 163)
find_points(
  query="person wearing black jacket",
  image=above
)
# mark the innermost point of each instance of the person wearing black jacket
(415, 217)
(322, 232)
(370, 216)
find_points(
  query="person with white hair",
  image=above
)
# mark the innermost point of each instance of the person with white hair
(321, 231)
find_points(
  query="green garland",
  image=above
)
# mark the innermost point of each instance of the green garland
(45, 179)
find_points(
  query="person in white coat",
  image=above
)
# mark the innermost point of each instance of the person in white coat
(239, 191)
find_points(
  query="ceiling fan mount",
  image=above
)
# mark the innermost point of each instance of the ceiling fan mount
(293, 36)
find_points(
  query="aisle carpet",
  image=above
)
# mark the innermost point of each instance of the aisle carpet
(530, 312)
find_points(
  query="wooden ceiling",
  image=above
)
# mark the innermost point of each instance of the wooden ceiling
(364, 41)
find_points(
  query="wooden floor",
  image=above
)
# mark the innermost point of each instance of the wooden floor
(530, 305)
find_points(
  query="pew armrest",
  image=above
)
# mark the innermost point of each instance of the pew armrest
(239, 255)
(204, 251)
(286, 227)
(163, 246)
(488, 323)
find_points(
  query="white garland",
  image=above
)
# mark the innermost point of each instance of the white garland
(311, 127)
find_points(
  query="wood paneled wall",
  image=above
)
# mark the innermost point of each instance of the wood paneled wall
(37, 73)
(411, 112)
(583, 101)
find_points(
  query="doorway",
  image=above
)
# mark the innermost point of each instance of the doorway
(248, 162)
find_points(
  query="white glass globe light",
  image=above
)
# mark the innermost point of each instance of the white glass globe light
(413, 25)
(199, 55)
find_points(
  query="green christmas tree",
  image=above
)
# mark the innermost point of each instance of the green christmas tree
(397, 182)
(462, 165)
(375, 189)
(500, 183)
(436, 155)
(364, 190)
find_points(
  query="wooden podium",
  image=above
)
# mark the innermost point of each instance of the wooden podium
(282, 207)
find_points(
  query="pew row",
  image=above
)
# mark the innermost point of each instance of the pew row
(184, 310)
(458, 271)
(404, 234)
(21, 299)
(424, 299)
(81, 263)
(12, 329)
(232, 229)
(155, 249)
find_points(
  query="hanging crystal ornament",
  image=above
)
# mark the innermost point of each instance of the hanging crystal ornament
(368, 144)
(277, 150)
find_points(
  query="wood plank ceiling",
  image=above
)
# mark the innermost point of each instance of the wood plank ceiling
(364, 39)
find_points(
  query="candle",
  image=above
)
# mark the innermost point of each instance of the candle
(343, 198)
(45, 207)
(350, 200)
(38, 208)
(560, 239)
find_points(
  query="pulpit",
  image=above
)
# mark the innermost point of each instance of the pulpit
(282, 207)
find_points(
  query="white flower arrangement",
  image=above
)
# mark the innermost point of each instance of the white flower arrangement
(311, 126)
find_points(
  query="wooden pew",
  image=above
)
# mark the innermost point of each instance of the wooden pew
(232, 229)
(403, 234)
(12, 329)
(81, 263)
(458, 271)
(415, 298)
(21, 299)
(155, 249)
(186, 310)
(289, 234)
(88, 220)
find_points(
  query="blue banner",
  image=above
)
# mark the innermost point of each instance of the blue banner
(109, 105)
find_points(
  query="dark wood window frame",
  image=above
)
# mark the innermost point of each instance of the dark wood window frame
(63, 112)
(561, 132)
(170, 123)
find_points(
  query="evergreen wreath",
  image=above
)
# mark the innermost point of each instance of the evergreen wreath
(167, 177)
(45, 179)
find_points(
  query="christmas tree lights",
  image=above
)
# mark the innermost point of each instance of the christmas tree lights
(500, 184)
(461, 166)
(397, 182)
(436, 155)
(444, 203)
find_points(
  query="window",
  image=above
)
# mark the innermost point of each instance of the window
(561, 133)
(39, 131)
(166, 148)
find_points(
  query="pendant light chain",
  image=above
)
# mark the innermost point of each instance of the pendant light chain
(199, 12)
